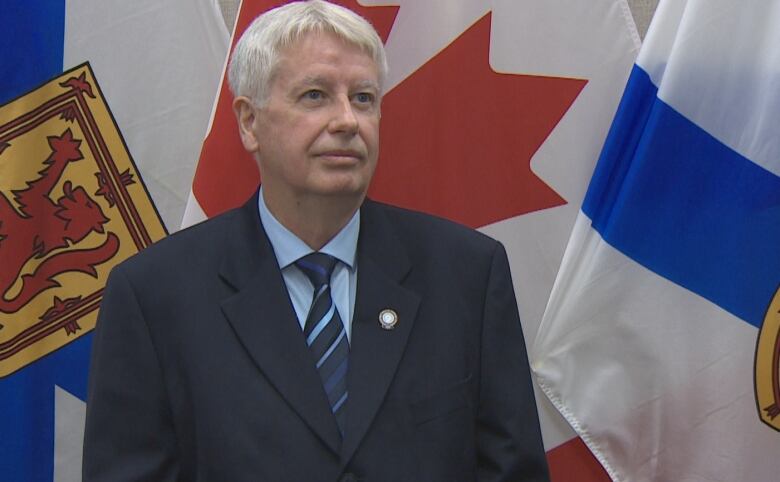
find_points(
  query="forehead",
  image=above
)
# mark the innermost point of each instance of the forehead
(324, 51)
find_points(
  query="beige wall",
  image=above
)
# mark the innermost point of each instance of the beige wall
(643, 12)
(229, 9)
(641, 9)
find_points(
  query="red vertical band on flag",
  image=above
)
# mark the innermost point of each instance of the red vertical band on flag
(572, 461)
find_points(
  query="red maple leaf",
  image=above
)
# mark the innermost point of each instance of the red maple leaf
(458, 137)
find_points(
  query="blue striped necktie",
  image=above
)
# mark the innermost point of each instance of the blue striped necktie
(325, 333)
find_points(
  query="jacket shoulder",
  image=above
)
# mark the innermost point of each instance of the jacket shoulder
(195, 244)
(421, 229)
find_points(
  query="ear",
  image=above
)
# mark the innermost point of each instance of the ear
(245, 115)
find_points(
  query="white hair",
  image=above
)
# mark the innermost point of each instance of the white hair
(257, 51)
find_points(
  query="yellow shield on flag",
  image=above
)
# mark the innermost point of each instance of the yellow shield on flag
(767, 369)
(72, 205)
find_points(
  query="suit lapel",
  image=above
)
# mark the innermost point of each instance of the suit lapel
(265, 323)
(375, 352)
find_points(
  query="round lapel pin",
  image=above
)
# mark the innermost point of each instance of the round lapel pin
(387, 319)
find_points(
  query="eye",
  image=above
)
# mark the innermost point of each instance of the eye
(313, 95)
(365, 99)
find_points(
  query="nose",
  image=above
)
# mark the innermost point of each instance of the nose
(344, 119)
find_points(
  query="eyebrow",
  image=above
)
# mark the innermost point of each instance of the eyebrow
(368, 84)
(318, 80)
(313, 80)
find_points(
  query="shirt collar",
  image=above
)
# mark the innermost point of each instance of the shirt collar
(288, 247)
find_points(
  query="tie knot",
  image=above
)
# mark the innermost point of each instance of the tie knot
(318, 267)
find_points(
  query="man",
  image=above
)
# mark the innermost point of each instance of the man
(312, 335)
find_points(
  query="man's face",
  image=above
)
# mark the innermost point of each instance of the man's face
(318, 133)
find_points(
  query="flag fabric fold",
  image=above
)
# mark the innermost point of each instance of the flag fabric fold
(659, 342)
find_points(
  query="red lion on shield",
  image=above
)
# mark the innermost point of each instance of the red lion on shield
(42, 226)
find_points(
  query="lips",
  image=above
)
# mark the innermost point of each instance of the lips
(341, 154)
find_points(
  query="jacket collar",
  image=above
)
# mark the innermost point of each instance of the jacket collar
(263, 318)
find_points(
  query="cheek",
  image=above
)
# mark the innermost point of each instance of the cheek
(306, 134)
(370, 133)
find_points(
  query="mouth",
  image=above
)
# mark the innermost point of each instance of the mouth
(341, 156)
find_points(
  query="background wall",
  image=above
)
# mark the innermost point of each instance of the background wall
(641, 9)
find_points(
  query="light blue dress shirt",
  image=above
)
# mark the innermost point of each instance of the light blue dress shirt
(289, 248)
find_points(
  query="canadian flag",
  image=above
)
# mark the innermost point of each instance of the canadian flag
(494, 116)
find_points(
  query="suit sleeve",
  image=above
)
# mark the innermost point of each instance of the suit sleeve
(509, 441)
(129, 434)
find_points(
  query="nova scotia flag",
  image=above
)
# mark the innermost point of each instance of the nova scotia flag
(158, 65)
(660, 342)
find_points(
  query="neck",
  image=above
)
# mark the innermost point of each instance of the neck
(315, 220)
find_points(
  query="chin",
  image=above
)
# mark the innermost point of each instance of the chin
(344, 192)
(343, 186)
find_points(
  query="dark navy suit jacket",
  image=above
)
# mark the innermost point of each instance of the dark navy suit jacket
(200, 371)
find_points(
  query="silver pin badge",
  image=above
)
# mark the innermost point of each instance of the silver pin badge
(387, 319)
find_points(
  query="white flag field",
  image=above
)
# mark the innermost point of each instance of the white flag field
(661, 339)
(158, 64)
